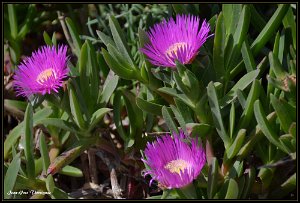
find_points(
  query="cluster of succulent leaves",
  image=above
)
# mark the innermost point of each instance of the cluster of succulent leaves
(238, 96)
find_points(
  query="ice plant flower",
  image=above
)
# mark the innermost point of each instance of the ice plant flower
(179, 40)
(43, 72)
(174, 162)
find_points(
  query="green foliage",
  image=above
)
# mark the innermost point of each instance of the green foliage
(238, 95)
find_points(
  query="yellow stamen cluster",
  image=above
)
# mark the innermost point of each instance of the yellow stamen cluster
(45, 75)
(176, 166)
(174, 48)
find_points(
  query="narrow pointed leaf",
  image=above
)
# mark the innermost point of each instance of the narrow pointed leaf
(216, 113)
(28, 131)
(168, 117)
(212, 178)
(265, 126)
(105, 39)
(71, 171)
(233, 189)
(269, 29)
(75, 108)
(11, 175)
(219, 47)
(74, 35)
(97, 116)
(50, 183)
(285, 112)
(44, 153)
(15, 133)
(241, 84)
(237, 144)
(120, 39)
(47, 38)
(108, 89)
(13, 24)
(248, 57)
(149, 106)
(120, 70)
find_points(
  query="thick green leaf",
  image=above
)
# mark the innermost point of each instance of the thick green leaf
(285, 112)
(289, 21)
(108, 89)
(270, 28)
(236, 170)
(149, 106)
(97, 116)
(168, 117)
(17, 131)
(173, 92)
(248, 111)
(74, 35)
(241, 84)
(71, 171)
(50, 183)
(13, 24)
(105, 39)
(276, 66)
(57, 122)
(231, 14)
(255, 136)
(47, 38)
(20, 105)
(198, 129)
(59, 194)
(233, 189)
(266, 175)
(28, 131)
(213, 178)
(84, 80)
(31, 184)
(219, 47)
(241, 98)
(11, 175)
(117, 115)
(54, 42)
(120, 70)
(75, 108)
(216, 113)
(44, 153)
(93, 76)
(239, 36)
(231, 120)
(134, 113)
(242, 27)
(237, 144)
(184, 110)
(179, 118)
(286, 141)
(248, 57)
(120, 40)
(265, 125)
(187, 82)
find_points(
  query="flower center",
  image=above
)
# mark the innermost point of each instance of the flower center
(176, 166)
(174, 48)
(45, 75)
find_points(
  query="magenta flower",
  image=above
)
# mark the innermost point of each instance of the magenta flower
(179, 40)
(43, 72)
(173, 162)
